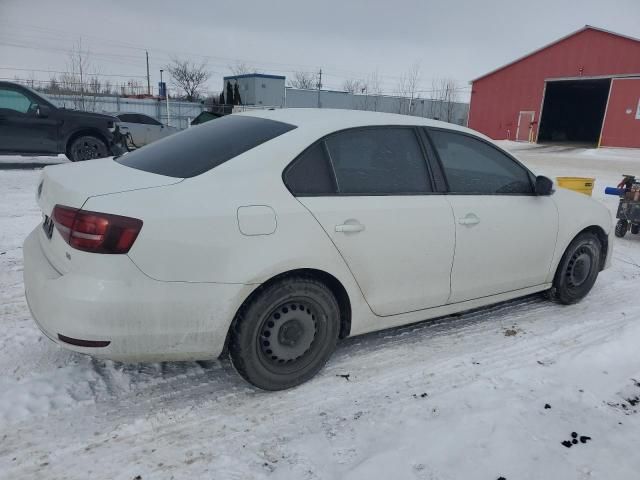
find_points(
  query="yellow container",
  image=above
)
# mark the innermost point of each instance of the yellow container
(577, 184)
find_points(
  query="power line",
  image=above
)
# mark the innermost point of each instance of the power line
(168, 54)
(62, 73)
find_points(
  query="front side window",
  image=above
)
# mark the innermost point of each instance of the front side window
(475, 167)
(13, 100)
(378, 161)
(201, 148)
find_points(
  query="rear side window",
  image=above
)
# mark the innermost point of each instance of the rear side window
(127, 117)
(475, 167)
(310, 173)
(378, 161)
(201, 148)
(145, 120)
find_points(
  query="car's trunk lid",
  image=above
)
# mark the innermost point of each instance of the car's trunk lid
(72, 185)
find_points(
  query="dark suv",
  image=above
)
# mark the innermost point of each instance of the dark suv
(32, 125)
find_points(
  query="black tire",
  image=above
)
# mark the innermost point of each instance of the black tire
(285, 334)
(578, 269)
(621, 228)
(87, 147)
(635, 228)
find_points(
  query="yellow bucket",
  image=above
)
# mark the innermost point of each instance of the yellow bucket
(577, 184)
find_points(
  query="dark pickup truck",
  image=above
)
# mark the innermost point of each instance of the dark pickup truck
(32, 125)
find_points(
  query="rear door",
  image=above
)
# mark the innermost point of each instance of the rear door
(137, 130)
(154, 129)
(505, 234)
(372, 192)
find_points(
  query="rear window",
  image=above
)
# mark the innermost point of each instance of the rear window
(199, 149)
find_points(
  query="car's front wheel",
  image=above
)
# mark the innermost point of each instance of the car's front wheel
(87, 147)
(285, 334)
(578, 269)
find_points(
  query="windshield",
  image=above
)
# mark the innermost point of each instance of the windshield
(201, 148)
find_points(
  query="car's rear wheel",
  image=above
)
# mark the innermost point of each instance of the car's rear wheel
(635, 228)
(87, 147)
(285, 334)
(621, 228)
(578, 269)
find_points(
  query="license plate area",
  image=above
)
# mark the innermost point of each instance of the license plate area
(47, 226)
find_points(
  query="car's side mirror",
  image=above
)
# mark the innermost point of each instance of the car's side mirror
(42, 111)
(544, 185)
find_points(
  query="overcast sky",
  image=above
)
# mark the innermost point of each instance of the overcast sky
(347, 39)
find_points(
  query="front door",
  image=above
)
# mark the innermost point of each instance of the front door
(21, 129)
(525, 124)
(377, 206)
(505, 234)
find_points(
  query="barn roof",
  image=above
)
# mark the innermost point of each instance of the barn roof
(586, 27)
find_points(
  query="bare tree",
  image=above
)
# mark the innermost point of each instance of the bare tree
(407, 89)
(53, 85)
(189, 77)
(242, 68)
(107, 88)
(444, 97)
(79, 69)
(304, 80)
(353, 85)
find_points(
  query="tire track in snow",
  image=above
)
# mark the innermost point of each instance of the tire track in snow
(441, 346)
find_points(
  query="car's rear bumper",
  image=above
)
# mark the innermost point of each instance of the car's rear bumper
(141, 319)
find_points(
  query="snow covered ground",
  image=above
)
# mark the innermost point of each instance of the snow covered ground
(482, 395)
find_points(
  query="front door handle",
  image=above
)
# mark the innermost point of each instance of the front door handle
(469, 219)
(350, 227)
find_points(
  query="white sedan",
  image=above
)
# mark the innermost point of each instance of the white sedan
(143, 128)
(272, 234)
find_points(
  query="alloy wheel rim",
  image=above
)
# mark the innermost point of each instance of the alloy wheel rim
(88, 151)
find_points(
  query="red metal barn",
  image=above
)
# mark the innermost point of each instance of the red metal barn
(583, 88)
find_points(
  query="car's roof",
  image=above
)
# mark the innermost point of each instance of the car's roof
(337, 119)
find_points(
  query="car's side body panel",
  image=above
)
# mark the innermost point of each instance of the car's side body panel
(199, 255)
(577, 212)
(33, 134)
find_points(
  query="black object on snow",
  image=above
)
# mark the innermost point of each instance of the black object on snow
(547, 406)
(567, 443)
(584, 439)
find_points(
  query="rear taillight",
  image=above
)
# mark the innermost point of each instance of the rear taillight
(96, 232)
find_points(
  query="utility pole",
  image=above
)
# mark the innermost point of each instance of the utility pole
(166, 97)
(319, 87)
(148, 77)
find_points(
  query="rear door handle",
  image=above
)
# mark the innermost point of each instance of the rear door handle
(469, 219)
(350, 227)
